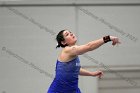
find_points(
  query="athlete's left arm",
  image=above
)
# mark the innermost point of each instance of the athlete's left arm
(84, 72)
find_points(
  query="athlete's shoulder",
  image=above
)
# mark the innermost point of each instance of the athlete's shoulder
(70, 48)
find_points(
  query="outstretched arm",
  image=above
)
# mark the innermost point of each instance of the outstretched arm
(78, 50)
(84, 72)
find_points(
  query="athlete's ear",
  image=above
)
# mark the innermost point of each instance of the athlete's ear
(63, 42)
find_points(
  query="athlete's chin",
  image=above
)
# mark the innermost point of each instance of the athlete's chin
(75, 40)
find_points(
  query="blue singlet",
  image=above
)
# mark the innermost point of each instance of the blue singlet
(66, 78)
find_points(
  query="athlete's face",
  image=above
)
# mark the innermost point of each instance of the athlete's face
(70, 38)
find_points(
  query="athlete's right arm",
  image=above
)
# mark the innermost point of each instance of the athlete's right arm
(81, 49)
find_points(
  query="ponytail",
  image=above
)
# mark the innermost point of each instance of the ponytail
(58, 46)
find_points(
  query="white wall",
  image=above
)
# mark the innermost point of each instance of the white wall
(28, 48)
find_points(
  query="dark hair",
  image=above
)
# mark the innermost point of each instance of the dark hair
(60, 38)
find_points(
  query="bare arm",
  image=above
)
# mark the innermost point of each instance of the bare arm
(84, 72)
(78, 50)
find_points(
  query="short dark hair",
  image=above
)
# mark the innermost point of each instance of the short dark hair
(60, 38)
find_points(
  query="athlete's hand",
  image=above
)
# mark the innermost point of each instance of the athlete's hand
(99, 74)
(115, 40)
